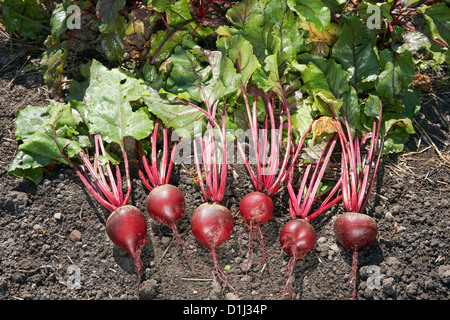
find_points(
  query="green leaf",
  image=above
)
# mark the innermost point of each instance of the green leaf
(52, 64)
(179, 13)
(269, 26)
(372, 107)
(336, 77)
(240, 52)
(54, 134)
(301, 119)
(312, 11)
(52, 131)
(107, 95)
(413, 41)
(247, 14)
(438, 22)
(112, 27)
(167, 49)
(411, 102)
(47, 134)
(321, 41)
(354, 50)
(328, 85)
(398, 135)
(368, 12)
(162, 5)
(286, 37)
(397, 75)
(112, 42)
(202, 75)
(240, 115)
(269, 77)
(173, 114)
(28, 166)
(29, 120)
(108, 11)
(25, 16)
(58, 20)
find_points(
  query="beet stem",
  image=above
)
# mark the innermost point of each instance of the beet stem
(137, 260)
(154, 177)
(255, 229)
(221, 275)
(354, 270)
(217, 177)
(267, 176)
(181, 244)
(287, 289)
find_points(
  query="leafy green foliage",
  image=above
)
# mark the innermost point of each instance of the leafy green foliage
(45, 134)
(52, 65)
(355, 51)
(25, 16)
(314, 57)
(103, 104)
(107, 97)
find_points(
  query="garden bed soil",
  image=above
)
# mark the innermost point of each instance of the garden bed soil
(54, 246)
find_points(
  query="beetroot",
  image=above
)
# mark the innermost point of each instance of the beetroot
(271, 165)
(256, 208)
(297, 238)
(355, 231)
(359, 166)
(212, 224)
(166, 204)
(127, 228)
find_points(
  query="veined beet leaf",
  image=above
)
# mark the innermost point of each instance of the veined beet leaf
(354, 50)
(316, 12)
(179, 22)
(174, 113)
(239, 51)
(269, 26)
(327, 84)
(112, 28)
(43, 133)
(108, 95)
(27, 17)
(397, 75)
(201, 76)
(60, 132)
(247, 14)
(321, 41)
(198, 81)
(436, 16)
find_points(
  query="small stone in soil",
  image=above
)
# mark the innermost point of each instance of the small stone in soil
(75, 236)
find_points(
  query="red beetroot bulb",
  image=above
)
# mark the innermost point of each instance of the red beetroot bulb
(211, 224)
(166, 204)
(297, 238)
(355, 231)
(256, 207)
